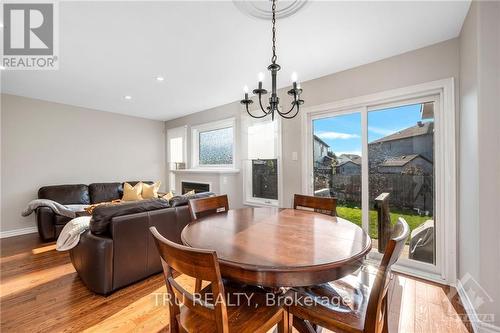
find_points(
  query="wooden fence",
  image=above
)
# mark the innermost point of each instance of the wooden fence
(407, 192)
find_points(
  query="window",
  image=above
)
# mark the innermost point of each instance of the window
(216, 147)
(176, 152)
(213, 145)
(261, 163)
(397, 143)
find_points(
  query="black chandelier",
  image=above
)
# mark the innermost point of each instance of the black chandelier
(274, 105)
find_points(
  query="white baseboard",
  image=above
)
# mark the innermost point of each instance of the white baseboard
(18, 232)
(478, 325)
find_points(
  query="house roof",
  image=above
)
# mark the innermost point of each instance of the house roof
(347, 162)
(321, 141)
(401, 160)
(419, 129)
(346, 158)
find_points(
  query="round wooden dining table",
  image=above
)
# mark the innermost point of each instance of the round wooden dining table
(275, 248)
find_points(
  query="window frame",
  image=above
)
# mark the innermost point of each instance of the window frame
(445, 158)
(172, 133)
(248, 199)
(195, 143)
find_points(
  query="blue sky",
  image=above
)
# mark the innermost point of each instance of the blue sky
(343, 133)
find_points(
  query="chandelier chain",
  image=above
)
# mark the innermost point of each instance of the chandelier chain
(274, 58)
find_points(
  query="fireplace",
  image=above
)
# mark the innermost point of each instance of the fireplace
(197, 187)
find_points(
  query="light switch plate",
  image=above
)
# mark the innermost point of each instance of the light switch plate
(295, 156)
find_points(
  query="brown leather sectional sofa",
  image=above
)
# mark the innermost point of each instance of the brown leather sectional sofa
(122, 251)
(50, 225)
(127, 253)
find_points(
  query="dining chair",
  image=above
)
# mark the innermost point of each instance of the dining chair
(319, 204)
(216, 307)
(206, 206)
(355, 303)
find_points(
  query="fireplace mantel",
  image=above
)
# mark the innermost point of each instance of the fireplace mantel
(212, 171)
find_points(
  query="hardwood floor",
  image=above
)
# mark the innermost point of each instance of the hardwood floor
(41, 292)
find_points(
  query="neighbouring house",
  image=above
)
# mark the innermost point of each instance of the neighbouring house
(402, 163)
(413, 164)
(418, 139)
(348, 164)
(321, 156)
(323, 166)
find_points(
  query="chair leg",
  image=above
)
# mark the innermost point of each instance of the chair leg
(197, 286)
(303, 326)
(174, 326)
(385, 328)
(285, 325)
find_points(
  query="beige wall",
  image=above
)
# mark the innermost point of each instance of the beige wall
(45, 143)
(427, 64)
(479, 180)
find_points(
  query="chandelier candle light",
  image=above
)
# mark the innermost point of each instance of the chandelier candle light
(274, 105)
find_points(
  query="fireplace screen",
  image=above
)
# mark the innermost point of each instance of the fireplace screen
(197, 187)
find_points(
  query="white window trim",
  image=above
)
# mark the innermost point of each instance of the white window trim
(261, 202)
(195, 148)
(170, 172)
(446, 168)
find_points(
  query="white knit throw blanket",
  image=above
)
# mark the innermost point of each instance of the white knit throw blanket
(70, 235)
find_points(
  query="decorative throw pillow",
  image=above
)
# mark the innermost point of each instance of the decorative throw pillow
(168, 196)
(132, 193)
(150, 191)
(189, 194)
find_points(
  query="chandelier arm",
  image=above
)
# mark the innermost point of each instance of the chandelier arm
(284, 115)
(291, 109)
(261, 106)
(251, 115)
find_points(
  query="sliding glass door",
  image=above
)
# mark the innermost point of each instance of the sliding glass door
(379, 163)
(401, 164)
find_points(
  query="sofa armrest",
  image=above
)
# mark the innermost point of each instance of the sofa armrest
(45, 219)
(93, 260)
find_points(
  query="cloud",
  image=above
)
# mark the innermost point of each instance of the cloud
(336, 135)
(381, 131)
(354, 152)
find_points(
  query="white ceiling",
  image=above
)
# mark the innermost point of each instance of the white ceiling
(207, 51)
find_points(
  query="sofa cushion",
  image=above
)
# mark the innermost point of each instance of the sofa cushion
(66, 194)
(150, 191)
(102, 215)
(105, 192)
(133, 183)
(61, 220)
(182, 200)
(132, 193)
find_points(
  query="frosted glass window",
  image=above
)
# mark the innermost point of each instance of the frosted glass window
(216, 147)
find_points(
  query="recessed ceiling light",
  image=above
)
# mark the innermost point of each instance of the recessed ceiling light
(160, 78)
(128, 97)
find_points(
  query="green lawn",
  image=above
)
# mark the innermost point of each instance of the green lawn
(354, 215)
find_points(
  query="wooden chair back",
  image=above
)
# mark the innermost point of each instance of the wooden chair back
(376, 314)
(197, 263)
(319, 204)
(207, 206)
